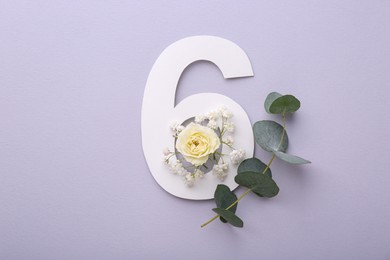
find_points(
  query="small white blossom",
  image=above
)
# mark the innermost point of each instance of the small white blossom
(212, 115)
(177, 168)
(182, 172)
(221, 110)
(173, 166)
(166, 151)
(173, 126)
(198, 174)
(200, 118)
(212, 124)
(189, 179)
(221, 170)
(176, 127)
(236, 156)
(229, 140)
(227, 114)
(225, 167)
(229, 126)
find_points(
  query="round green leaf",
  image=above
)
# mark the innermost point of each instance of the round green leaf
(284, 104)
(270, 99)
(261, 184)
(224, 197)
(230, 217)
(253, 165)
(290, 158)
(268, 135)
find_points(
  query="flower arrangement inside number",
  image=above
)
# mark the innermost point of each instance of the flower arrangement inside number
(198, 146)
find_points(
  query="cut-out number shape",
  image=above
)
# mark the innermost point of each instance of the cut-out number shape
(158, 108)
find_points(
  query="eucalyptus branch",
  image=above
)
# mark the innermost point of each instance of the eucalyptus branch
(252, 173)
(265, 170)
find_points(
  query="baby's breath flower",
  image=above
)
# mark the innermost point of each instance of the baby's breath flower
(212, 115)
(236, 156)
(189, 179)
(176, 167)
(221, 110)
(200, 118)
(173, 126)
(227, 114)
(198, 174)
(212, 124)
(179, 128)
(229, 140)
(166, 151)
(229, 126)
(220, 170)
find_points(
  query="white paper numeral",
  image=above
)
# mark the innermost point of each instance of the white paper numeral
(158, 108)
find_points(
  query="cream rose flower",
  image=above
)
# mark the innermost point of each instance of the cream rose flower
(196, 143)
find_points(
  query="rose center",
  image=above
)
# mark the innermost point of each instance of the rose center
(197, 144)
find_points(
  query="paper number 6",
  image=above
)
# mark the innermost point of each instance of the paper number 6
(158, 107)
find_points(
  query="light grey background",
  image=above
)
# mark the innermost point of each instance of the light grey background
(73, 180)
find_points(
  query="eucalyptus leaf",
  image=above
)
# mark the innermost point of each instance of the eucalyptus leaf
(268, 135)
(290, 158)
(284, 104)
(261, 184)
(230, 217)
(224, 197)
(253, 165)
(270, 99)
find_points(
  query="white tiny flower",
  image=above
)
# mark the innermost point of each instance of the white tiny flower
(236, 156)
(212, 124)
(189, 180)
(233, 157)
(166, 151)
(200, 118)
(212, 115)
(229, 140)
(220, 171)
(227, 114)
(222, 176)
(179, 128)
(221, 110)
(216, 169)
(198, 174)
(172, 167)
(225, 167)
(173, 126)
(175, 166)
(229, 126)
(180, 171)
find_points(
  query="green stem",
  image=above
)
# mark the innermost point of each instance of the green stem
(265, 170)
(208, 222)
(283, 132)
(234, 203)
(230, 146)
(242, 196)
